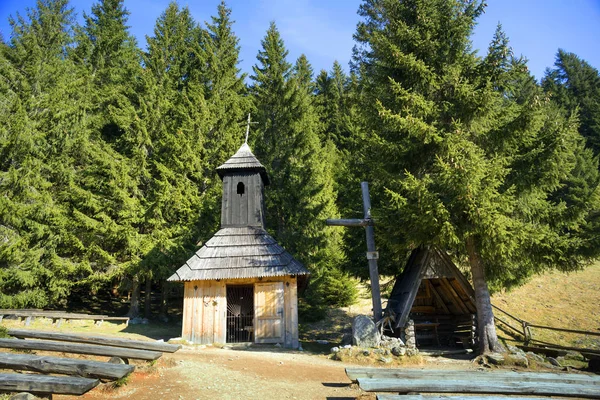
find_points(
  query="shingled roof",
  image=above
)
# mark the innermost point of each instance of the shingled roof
(243, 159)
(239, 252)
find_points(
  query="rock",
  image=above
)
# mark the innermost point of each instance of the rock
(574, 355)
(554, 361)
(535, 357)
(519, 360)
(277, 344)
(300, 348)
(22, 396)
(390, 342)
(412, 352)
(322, 341)
(348, 346)
(495, 358)
(347, 339)
(335, 350)
(364, 332)
(116, 360)
(366, 353)
(399, 351)
(516, 350)
(378, 351)
(385, 360)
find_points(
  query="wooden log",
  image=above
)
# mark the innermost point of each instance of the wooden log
(388, 373)
(348, 222)
(421, 397)
(108, 351)
(479, 386)
(437, 296)
(64, 366)
(556, 350)
(98, 340)
(46, 384)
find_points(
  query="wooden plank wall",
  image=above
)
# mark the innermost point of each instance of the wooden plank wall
(205, 309)
(246, 209)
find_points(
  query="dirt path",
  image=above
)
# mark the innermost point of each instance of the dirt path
(211, 373)
(233, 374)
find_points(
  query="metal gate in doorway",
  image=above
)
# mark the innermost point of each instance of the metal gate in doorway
(240, 314)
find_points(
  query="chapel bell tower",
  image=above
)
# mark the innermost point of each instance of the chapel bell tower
(244, 179)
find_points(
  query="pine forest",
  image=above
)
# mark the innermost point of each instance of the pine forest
(109, 150)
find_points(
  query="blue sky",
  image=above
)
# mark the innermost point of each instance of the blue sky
(322, 29)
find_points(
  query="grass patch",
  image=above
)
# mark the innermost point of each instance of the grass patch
(154, 330)
(121, 382)
(4, 333)
(557, 299)
(375, 357)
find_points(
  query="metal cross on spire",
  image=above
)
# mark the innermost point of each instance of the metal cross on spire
(248, 128)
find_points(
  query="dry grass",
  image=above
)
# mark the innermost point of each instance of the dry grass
(557, 299)
(154, 330)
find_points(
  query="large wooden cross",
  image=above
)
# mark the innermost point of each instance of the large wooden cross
(372, 254)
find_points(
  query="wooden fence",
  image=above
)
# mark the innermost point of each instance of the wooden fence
(521, 330)
(83, 375)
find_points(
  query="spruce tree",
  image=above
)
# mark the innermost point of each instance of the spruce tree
(300, 166)
(42, 139)
(468, 160)
(172, 117)
(111, 60)
(224, 89)
(575, 85)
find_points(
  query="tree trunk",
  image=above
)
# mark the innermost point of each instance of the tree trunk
(164, 301)
(488, 340)
(134, 305)
(147, 293)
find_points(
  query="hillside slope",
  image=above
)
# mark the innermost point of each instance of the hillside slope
(564, 300)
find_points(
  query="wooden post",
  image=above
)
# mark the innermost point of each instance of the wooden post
(372, 254)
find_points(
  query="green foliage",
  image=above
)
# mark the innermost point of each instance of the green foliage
(301, 166)
(575, 85)
(4, 333)
(108, 154)
(465, 147)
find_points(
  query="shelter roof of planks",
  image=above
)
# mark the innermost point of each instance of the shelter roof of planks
(432, 264)
(245, 160)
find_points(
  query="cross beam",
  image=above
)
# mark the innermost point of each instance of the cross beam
(372, 254)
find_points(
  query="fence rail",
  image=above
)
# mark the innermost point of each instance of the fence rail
(525, 331)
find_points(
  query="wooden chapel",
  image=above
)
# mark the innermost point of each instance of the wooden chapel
(241, 286)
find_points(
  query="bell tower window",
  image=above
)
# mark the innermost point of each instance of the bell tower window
(240, 188)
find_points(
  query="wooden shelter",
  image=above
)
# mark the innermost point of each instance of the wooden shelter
(241, 286)
(435, 294)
